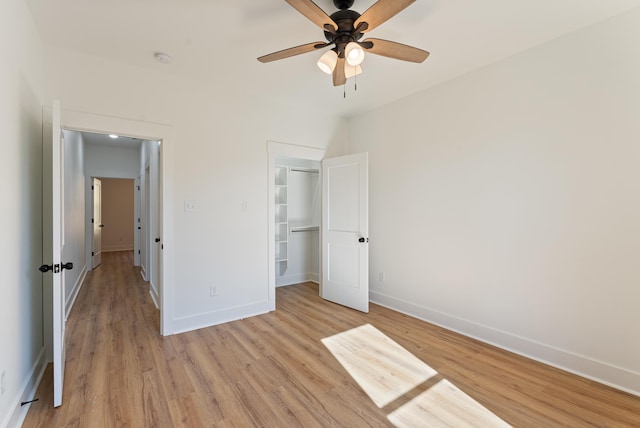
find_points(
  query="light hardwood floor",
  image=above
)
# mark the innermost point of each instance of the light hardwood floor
(274, 370)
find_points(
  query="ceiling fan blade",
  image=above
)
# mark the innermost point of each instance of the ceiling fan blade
(382, 11)
(313, 12)
(396, 50)
(339, 76)
(286, 53)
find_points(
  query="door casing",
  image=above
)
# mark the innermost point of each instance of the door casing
(79, 121)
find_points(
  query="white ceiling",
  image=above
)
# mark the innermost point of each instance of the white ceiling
(220, 40)
(104, 140)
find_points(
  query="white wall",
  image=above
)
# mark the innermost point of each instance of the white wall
(74, 215)
(21, 86)
(505, 203)
(219, 160)
(112, 162)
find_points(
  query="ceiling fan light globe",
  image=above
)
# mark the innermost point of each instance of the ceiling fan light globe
(327, 62)
(354, 54)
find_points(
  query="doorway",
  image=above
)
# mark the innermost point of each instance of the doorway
(113, 215)
(276, 152)
(344, 225)
(127, 170)
(297, 221)
(162, 137)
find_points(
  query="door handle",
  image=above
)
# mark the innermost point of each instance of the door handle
(101, 225)
(55, 268)
(45, 268)
(157, 239)
(67, 265)
(363, 239)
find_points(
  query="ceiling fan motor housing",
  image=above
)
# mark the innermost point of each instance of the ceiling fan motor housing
(346, 32)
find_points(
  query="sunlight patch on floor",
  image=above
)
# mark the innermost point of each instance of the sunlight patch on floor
(382, 368)
(444, 405)
(387, 372)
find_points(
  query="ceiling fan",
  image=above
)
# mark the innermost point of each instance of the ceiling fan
(343, 29)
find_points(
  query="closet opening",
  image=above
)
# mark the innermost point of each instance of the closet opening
(294, 212)
(297, 221)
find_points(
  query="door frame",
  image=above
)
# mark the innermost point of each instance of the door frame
(137, 214)
(88, 122)
(92, 214)
(274, 151)
(145, 223)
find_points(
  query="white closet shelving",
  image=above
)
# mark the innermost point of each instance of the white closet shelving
(281, 220)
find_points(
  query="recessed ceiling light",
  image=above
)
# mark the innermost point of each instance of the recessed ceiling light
(163, 57)
(113, 136)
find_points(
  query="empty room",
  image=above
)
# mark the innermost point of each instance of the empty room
(358, 213)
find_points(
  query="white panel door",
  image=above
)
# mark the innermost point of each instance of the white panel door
(345, 231)
(97, 222)
(53, 198)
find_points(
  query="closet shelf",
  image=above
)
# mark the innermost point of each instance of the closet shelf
(304, 229)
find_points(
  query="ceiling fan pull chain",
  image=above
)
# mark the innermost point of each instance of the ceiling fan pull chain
(344, 90)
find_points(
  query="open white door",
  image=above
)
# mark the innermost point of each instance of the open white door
(96, 252)
(54, 243)
(345, 231)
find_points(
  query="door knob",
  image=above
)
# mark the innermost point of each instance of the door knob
(45, 268)
(363, 240)
(157, 239)
(101, 225)
(67, 265)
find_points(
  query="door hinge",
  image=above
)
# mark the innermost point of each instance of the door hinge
(138, 188)
(93, 254)
(138, 251)
(91, 221)
(91, 187)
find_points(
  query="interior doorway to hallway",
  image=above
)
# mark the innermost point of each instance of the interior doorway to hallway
(121, 199)
(156, 152)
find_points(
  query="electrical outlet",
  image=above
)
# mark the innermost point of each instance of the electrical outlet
(381, 276)
(213, 291)
(3, 382)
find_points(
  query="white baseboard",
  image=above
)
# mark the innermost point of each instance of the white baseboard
(26, 393)
(208, 319)
(281, 281)
(113, 248)
(608, 374)
(153, 291)
(74, 292)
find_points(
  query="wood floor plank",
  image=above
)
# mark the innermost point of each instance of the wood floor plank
(274, 370)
